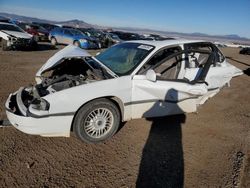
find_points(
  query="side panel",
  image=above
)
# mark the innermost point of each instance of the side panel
(70, 100)
(217, 76)
(161, 98)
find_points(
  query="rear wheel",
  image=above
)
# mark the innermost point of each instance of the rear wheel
(97, 121)
(77, 43)
(36, 38)
(53, 41)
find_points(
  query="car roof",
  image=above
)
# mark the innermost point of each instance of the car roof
(163, 43)
(5, 23)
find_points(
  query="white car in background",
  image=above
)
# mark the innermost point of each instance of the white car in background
(134, 79)
(13, 37)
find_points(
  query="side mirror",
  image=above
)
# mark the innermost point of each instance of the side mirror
(151, 75)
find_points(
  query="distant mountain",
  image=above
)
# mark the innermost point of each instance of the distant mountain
(24, 18)
(226, 38)
(80, 23)
(75, 23)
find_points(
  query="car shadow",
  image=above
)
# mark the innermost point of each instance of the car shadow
(162, 163)
(246, 71)
(45, 47)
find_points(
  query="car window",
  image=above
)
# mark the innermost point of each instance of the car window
(165, 67)
(8, 27)
(67, 32)
(76, 32)
(197, 57)
(122, 59)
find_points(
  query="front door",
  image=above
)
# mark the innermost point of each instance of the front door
(163, 97)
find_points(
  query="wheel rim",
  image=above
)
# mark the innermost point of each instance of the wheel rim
(53, 41)
(98, 122)
(76, 44)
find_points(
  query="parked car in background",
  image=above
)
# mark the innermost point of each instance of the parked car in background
(104, 40)
(39, 32)
(111, 39)
(4, 19)
(13, 37)
(245, 51)
(47, 26)
(135, 79)
(157, 37)
(127, 36)
(72, 36)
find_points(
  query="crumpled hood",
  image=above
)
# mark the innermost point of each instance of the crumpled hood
(67, 52)
(18, 34)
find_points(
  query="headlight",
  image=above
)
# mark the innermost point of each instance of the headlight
(41, 104)
(83, 40)
(11, 38)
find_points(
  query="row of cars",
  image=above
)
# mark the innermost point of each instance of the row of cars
(20, 34)
(15, 34)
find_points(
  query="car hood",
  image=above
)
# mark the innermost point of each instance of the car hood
(67, 52)
(18, 34)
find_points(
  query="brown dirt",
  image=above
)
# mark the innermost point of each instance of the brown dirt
(208, 149)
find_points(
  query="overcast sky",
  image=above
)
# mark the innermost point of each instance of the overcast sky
(205, 16)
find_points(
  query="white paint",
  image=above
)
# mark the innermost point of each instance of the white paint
(139, 95)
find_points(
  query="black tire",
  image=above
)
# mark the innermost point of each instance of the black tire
(53, 41)
(36, 38)
(87, 122)
(77, 43)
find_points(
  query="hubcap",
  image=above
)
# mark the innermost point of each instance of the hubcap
(98, 122)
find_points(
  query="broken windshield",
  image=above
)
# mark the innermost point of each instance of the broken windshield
(122, 59)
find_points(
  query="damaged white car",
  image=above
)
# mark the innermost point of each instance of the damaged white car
(135, 79)
(13, 37)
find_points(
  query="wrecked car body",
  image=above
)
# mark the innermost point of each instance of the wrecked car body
(13, 37)
(135, 79)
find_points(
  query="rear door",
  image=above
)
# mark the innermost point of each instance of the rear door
(219, 73)
(67, 37)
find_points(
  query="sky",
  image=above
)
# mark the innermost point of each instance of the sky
(215, 17)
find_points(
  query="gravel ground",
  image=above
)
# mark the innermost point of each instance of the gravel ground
(210, 148)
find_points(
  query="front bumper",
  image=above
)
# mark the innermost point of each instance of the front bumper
(89, 45)
(48, 125)
(17, 43)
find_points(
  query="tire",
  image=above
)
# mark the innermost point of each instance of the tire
(53, 41)
(4, 45)
(36, 38)
(77, 43)
(96, 121)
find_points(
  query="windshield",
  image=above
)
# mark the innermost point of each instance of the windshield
(10, 28)
(123, 58)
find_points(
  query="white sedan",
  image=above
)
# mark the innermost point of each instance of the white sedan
(92, 95)
(13, 37)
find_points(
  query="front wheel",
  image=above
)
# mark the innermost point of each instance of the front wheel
(4, 45)
(77, 43)
(97, 121)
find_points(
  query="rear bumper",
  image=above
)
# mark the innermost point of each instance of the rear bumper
(43, 126)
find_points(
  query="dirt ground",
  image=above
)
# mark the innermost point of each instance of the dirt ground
(210, 148)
